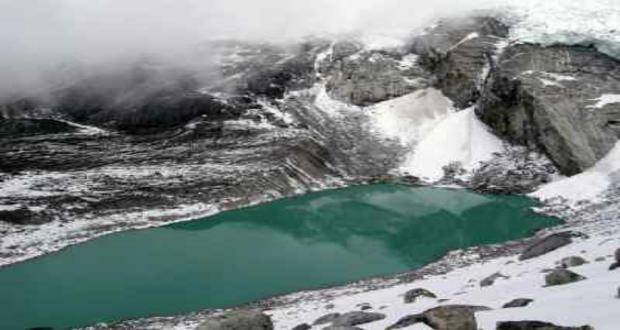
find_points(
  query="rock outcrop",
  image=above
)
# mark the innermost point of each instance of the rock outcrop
(551, 99)
(364, 77)
(457, 51)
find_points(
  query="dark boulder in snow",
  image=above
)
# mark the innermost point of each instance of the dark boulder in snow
(327, 318)
(449, 317)
(356, 318)
(561, 277)
(413, 294)
(303, 326)
(491, 279)
(546, 245)
(519, 302)
(572, 261)
(239, 320)
(536, 325)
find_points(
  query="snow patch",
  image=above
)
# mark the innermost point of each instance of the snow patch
(605, 100)
(460, 138)
(586, 186)
(411, 117)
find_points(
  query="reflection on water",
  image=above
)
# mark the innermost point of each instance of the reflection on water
(239, 256)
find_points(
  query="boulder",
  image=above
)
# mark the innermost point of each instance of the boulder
(341, 327)
(546, 98)
(536, 325)
(449, 317)
(327, 318)
(561, 277)
(546, 245)
(238, 320)
(303, 326)
(407, 321)
(356, 318)
(491, 279)
(616, 264)
(454, 317)
(413, 294)
(519, 302)
(573, 261)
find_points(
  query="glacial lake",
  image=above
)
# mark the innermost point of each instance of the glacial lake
(235, 257)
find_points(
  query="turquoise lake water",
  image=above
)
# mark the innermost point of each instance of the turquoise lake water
(236, 257)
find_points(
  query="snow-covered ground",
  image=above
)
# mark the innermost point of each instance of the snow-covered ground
(593, 301)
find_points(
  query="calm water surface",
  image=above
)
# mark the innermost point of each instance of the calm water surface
(236, 257)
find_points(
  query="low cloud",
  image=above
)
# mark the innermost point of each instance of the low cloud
(41, 38)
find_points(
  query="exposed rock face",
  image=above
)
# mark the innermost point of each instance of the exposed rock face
(413, 294)
(546, 98)
(546, 245)
(561, 277)
(535, 325)
(364, 77)
(240, 320)
(520, 302)
(457, 51)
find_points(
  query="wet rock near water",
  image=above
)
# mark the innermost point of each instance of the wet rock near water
(239, 320)
(536, 325)
(546, 245)
(562, 277)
